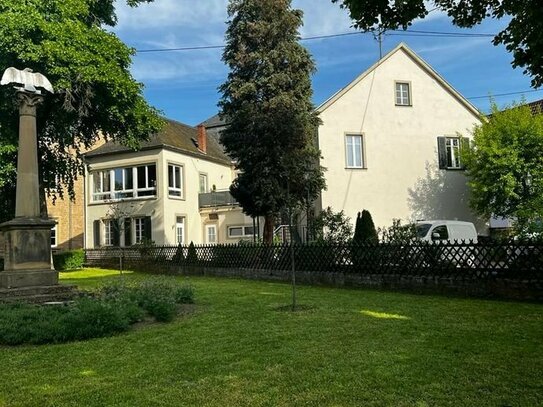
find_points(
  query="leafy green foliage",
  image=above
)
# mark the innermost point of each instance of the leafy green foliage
(332, 227)
(69, 260)
(522, 36)
(365, 231)
(112, 310)
(192, 255)
(398, 233)
(266, 100)
(505, 165)
(66, 40)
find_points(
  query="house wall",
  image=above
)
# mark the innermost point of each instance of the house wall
(164, 209)
(401, 179)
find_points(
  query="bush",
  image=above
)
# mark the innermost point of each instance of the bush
(69, 260)
(365, 229)
(192, 255)
(113, 309)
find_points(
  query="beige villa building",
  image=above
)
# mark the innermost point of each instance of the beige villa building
(174, 190)
(390, 144)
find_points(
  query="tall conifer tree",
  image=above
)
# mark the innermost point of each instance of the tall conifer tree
(266, 101)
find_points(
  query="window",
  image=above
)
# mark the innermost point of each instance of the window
(139, 229)
(175, 180)
(449, 151)
(54, 236)
(403, 94)
(240, 231)
(180, 230)
(440, 233)
(108, 233)
(121, 183)
(146, 176)
(203, 183)
(211, 234)
(453, 152)
(353, 149)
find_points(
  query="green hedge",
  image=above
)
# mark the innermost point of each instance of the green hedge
(69, 260)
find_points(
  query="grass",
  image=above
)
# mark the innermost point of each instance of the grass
(242, 348)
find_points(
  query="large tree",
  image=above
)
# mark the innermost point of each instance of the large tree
(505, 165)
(522, 36)
(88, 65)
(266, 100)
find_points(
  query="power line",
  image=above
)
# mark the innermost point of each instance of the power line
(412, 33)
(490, 95)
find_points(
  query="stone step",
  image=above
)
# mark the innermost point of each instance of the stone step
(37, 295)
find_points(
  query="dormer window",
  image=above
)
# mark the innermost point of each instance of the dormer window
(403, 94)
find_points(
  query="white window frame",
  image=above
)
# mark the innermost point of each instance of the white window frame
(108, 232)
(101, 195)
(54, 235)
(402, 92)
(351, 149)
(244, 232)
(214, 228)
(176, 191)
(139, 229)
(452, 148)
(204, 177)
(180, 222)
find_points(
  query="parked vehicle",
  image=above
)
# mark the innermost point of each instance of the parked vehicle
(446, 230)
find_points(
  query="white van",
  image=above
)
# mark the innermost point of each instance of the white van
(446, 230)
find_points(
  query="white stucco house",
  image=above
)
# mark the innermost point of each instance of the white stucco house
(390, 143)
(173, 190)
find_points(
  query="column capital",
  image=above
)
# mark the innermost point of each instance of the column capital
(28, 102)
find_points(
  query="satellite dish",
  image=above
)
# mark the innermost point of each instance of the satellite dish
(28, 80)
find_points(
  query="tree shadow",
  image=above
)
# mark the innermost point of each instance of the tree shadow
(441, 194)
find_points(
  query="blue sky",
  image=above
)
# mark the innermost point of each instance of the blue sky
(183, 84)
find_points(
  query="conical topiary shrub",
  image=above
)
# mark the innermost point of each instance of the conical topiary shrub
(365, 231)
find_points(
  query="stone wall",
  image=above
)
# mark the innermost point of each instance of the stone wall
(497, 288)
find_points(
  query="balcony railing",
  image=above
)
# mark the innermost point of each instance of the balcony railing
(216, 198)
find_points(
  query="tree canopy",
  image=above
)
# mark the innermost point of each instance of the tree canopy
(266, 101)
(522, 36)
(88, 65)
(505, 164)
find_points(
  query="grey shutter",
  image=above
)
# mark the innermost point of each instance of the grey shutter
(127, 232)
(116, 232)
(96, 230)
(442, 152)
(464, 146)
(147, 228)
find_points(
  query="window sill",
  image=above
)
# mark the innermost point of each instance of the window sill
(113, 201)
(403, 105)
(453, 169)
(356, 168)
(177, 198)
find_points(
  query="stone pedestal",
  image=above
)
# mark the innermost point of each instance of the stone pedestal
(27, 261)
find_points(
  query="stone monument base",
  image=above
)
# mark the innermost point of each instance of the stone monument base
(38, 295)
(28, 278)
(27, 251)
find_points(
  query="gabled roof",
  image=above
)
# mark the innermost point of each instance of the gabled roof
(175, 136)
(420, 62)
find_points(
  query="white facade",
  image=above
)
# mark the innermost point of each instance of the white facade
(379, 142)
(153, 195)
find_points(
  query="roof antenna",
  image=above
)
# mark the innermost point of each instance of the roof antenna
(378, 34)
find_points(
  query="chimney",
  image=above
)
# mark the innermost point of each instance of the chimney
(202, 138)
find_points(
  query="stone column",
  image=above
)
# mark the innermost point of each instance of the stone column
(27, 238)
(27, 201)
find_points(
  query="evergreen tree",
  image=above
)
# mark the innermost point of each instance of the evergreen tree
(365, 231)
(266, 100)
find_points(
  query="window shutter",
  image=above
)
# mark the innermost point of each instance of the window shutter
(147, 228)
(127, 232)
(96, 229)
(116, 232)
(464, 146)
(442, 152)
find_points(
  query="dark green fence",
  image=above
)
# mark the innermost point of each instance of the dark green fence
(511, 260)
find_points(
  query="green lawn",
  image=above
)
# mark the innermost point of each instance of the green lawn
(350, 348)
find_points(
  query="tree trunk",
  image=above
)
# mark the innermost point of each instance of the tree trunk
(269, 223)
